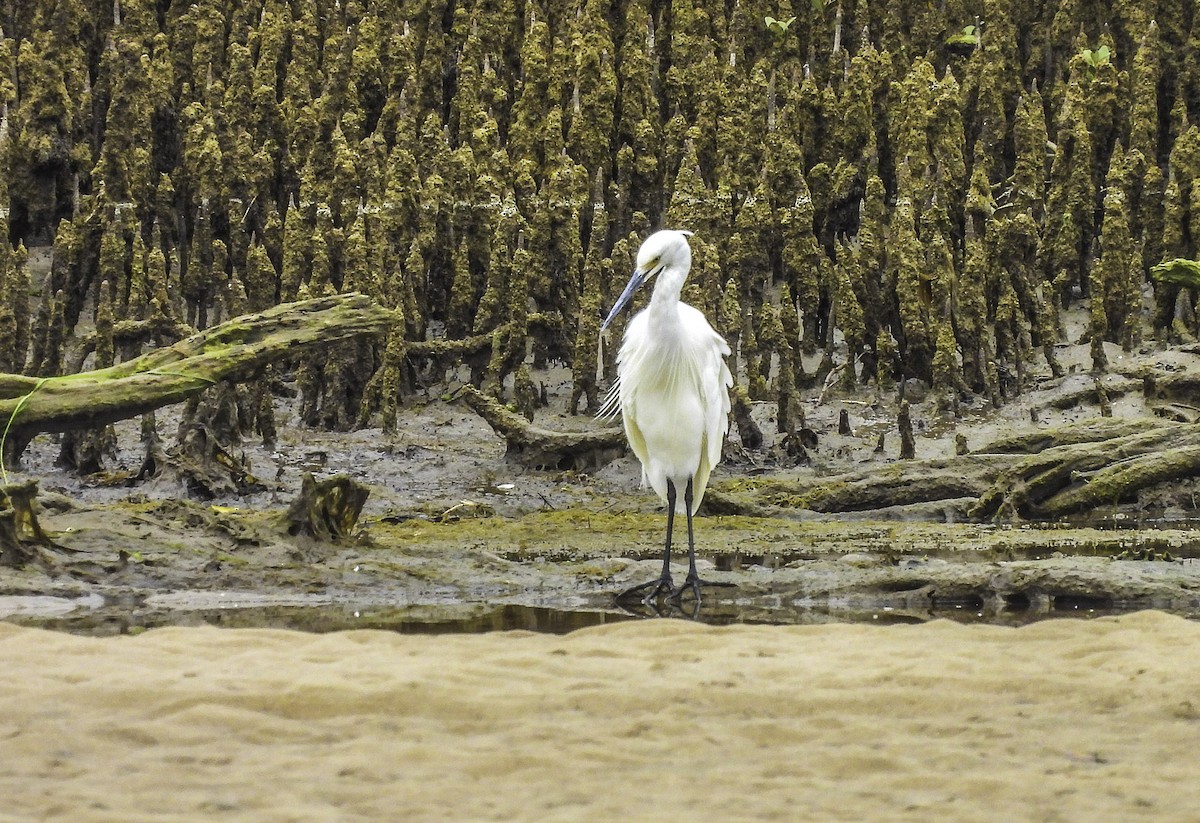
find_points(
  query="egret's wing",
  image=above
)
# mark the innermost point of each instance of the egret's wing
(716, 394)
(622, 395)
(715, 384)
(637, 442)
(628, 355)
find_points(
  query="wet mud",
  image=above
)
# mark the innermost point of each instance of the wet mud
(456, 537)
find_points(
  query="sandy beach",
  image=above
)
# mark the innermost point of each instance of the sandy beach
(648, 720)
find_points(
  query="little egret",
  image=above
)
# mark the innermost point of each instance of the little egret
(672, 388)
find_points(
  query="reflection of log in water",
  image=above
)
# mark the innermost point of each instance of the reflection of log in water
(234, 349)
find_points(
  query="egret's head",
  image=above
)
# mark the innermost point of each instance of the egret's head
(662, 250)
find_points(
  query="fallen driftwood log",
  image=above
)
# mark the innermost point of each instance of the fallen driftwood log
(1078, 476)
(1039, 475)
(904, 483)
(542, 448)
(1096, 392)
(1096, 430)
(169, 375)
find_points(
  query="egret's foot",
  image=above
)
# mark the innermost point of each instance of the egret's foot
(662, 587)
(693, 584)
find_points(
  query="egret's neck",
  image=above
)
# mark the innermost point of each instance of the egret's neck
(665, 297)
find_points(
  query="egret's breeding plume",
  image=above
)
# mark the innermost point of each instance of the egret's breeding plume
(672, 389)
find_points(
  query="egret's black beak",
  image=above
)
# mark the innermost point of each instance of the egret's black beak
(638, 278)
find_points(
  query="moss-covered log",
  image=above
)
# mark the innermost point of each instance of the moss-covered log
(1096, 392)
(1120, 481)
(1038, 476)
(172, 374)
(1048, 483)
(542, 448)
(16, 385)
(880, 487)
(1085, 431)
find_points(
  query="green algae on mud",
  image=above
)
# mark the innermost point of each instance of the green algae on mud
(577, 534)
(152, 563)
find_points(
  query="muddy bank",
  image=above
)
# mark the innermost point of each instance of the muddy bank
(454, 531)
(133, 565)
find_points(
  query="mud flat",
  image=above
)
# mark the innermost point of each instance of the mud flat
(454, 533)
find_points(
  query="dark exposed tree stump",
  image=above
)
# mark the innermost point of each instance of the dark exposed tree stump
(844, 423)
(326, 510)
(908, 446)
(748, 431)
(20, 533)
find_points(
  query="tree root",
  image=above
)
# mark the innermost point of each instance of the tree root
(1041, 475)
(541, 448)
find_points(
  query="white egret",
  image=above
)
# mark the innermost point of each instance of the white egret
(672, 388)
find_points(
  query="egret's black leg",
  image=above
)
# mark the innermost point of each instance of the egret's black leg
(664, 585)
(693, 580)
(665, 577)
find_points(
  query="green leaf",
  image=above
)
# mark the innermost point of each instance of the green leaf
(1096, 58)
(966, 37)
(778, 27)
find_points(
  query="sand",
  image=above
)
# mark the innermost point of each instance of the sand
(649, 720)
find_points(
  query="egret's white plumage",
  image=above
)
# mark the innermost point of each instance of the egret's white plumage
(672, 386)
